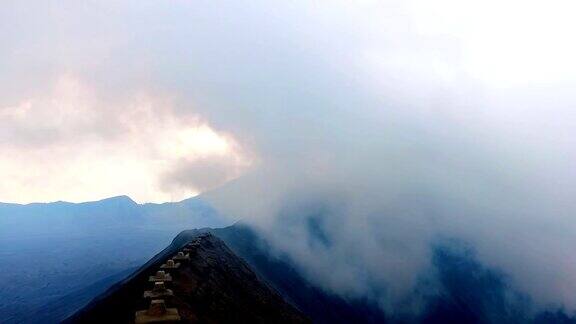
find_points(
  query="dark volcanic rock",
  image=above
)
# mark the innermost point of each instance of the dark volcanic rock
(214, 286)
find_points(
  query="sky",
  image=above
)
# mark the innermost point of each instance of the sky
(102, 98)
(406, 120)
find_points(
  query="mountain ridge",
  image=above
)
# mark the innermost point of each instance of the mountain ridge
(215, 285)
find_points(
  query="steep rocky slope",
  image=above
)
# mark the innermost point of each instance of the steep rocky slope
(213, 286)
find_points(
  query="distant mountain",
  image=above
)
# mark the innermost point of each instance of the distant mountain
(52, 250)
(112, 214)
(212, 286)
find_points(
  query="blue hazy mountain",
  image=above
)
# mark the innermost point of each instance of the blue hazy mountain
(52, 250)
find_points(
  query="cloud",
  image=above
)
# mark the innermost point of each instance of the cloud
(69, 144)
(203, 174)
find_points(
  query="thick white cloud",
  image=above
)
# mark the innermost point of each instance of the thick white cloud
(69, 144)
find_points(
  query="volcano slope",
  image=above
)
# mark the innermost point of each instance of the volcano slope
(212, 286)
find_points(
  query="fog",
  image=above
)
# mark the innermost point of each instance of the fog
(359, 135)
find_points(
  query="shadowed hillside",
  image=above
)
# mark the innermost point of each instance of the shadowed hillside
(213, 286)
